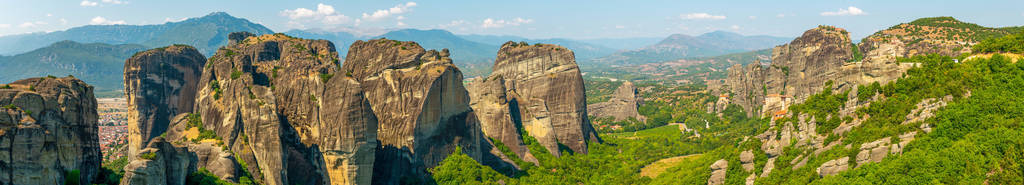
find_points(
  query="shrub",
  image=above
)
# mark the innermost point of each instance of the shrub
(235, 74)
(72, 177)
(148, 156)
(325, 77)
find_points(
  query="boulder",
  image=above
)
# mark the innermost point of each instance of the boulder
(833, 167)
(48, 128)
(718, 170)
(747, 160)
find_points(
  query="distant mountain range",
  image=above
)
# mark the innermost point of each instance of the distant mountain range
(100, 65)
(679, 46)
(206, 33)
(61, 53)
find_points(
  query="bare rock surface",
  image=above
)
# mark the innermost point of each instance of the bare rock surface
(280, 104)
(622, 105)
(48, 127)
(159, 84)
(718, 170)
(421, 105)
(833, 167)
(160, 162)
(545, 89)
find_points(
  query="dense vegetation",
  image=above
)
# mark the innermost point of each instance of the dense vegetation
(978, 138)
(1013, 44)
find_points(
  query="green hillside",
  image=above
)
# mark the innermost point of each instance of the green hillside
(100, 65)
(977, 139)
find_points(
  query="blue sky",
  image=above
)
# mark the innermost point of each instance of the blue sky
(529, 18)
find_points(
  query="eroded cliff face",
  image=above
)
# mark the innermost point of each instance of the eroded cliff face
(801, 68)
(48, 127)
(544, 91)
(159, 84)
(280, 105)
(622, 105)
(420, 103)
(746, 86)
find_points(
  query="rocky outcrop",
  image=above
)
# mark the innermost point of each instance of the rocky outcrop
(873, 152)
(282, 106)
(622, 105)
(747, 85)
(159, 163)
(833, 167)
(498, 115)
(159, 84)
(208, 154)
(747, 160)
(420, 102)
(544, 89)
(801, 68)
(48, 128)
(718, 170)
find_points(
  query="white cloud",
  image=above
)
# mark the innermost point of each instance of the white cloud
(381, 14)
(31, 24)
(63, 21)
(49, 15)
(94, 3)
(103, 21)
(323, 13)
(752, 17)
(844, 12)
(734, 27)
(5, 25)
(88, 3)
(619, 26)
(400, 23)
(492, 23)
(174, 20)
(701, 16)
(113, 2)
(781, 15)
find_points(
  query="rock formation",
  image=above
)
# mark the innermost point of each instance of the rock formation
(747, 160)
(159, 163)
(420, 102)
(280, 105)
(718, 170)
(833, 167)
(48, 129)
(159, 84)
(544, 90)
(747, 85)
(498, 116)
(622, 105)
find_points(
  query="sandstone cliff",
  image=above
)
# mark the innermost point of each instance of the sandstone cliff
(420, 103)
(623, 104)
(159, 84)
(280, 105)
(543, 89)
(48, 128)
